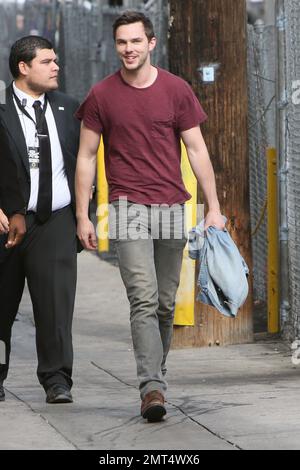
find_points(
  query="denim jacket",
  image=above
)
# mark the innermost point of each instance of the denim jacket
(223, 272)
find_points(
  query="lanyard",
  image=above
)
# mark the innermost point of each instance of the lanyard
(38, 125)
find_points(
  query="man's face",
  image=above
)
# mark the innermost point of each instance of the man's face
(41, 75)
(133, 46)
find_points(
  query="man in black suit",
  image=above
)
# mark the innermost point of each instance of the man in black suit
(40, 136)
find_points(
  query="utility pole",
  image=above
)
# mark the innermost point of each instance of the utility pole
(208, 48)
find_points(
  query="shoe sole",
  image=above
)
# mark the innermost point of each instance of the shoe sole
(60, 399)
(155, 413)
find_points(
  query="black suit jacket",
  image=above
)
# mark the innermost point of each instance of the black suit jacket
(11, 198)
(14, 164)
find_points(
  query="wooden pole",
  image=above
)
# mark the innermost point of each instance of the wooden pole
(212, 33)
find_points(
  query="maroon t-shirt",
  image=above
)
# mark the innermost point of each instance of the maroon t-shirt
(141, 133)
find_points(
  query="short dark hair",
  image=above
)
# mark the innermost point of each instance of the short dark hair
(129, 17)
(24, 50)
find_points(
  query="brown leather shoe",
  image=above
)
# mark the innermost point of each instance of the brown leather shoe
(153, 407)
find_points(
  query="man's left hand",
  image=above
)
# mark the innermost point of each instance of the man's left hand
(17, 230)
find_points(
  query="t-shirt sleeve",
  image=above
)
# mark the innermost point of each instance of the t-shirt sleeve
(88, 112)
(189, 112)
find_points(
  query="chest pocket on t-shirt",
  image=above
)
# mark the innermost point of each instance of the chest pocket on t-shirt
(162, 127)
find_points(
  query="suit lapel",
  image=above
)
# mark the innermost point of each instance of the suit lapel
(12, 122)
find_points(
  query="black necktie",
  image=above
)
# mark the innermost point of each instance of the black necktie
(44, 202)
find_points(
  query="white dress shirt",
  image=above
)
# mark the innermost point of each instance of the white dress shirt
(61, 196)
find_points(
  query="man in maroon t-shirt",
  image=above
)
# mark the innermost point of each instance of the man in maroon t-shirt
(142, 112)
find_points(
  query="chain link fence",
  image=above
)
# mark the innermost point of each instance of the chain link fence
(291, 24)
(262, 134)
(262, 53)
(79, 46)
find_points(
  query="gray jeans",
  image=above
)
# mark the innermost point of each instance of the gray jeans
(150, 250)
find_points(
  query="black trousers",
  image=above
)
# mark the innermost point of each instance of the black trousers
(47, 258)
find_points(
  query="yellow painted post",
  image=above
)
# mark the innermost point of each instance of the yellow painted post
(102, 200)
(185, 299)
(273, 243)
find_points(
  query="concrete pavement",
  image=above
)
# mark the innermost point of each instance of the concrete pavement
(236, 397)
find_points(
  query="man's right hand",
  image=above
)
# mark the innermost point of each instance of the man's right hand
(4, 224)
(17, 230)
(86, 234)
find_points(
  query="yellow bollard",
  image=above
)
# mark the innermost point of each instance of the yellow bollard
(102, 201)
(273, 243)
(185, 299)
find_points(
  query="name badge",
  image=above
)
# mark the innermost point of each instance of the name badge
(34, 157)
